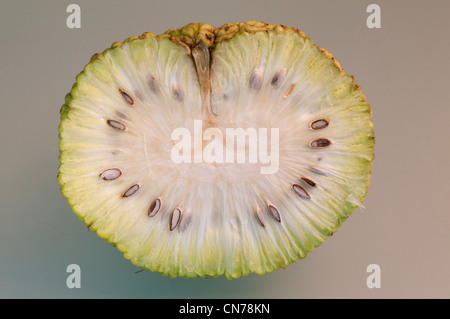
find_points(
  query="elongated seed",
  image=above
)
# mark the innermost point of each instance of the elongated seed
(309, 182)
(289, 91)
(154, 207)
(278, 77)
(255, 81)
(300, 191)
(132, 190)
(320, 142)
(175, 219)
(275, 213)
(317, 171)
(117, 125)
(110, 174)
(260, 216)
(319, 124)
(126, 97)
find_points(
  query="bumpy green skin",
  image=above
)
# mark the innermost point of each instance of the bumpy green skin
(189, 36)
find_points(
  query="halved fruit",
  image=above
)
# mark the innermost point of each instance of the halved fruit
(204, 152)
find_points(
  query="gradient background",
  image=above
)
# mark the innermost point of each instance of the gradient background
(402, 68)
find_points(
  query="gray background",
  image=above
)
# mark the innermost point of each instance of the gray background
(402, 68)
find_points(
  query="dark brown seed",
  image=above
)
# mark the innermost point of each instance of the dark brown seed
(300, 191)
(130, 191)
(320, 142)
(319, 124)
(154, 207)
(274, 212)
(175, 219)
(110, 174)
(126, 97)
(278, 78)
(117, 125)
(309, 182)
